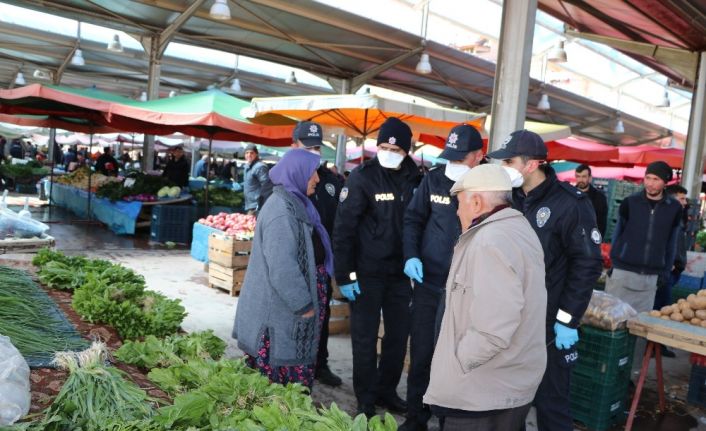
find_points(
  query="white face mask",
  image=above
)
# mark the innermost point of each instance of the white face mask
(313, 150)
(389, 160)
(515, 177)
(454, 171)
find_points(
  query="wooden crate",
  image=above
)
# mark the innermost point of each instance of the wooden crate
(227, 251)
(339, 323)
(26, 245)
(229, 279)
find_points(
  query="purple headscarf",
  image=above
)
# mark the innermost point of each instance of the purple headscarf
(293, 173)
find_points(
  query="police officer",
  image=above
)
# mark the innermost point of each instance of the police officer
(369, 265)
(308, 135)
(431, 228)
(564, 220)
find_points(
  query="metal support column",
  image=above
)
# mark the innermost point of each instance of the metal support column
(341, 143)
(152, 94)
(512, 70)
(696, 139)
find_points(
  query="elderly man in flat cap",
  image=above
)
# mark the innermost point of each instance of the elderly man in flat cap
(491, 355)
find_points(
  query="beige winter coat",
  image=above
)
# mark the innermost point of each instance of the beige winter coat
(491, 352)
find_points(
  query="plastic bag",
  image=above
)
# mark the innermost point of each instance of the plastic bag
(607, 312)
(15, 394)
(11, 224)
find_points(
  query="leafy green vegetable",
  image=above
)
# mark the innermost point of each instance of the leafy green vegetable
(144, 184)
(172, 350)
(220, 197)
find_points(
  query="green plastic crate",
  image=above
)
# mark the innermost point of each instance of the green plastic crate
(679, 292)
(605, 371)
(598, 406)
(602, 345)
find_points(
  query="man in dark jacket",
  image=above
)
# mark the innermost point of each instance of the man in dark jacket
(565, 223)
(177, 169)
(106, 163)
(367, 239)
(598, 199)
(308, 135)
(431, 228)
(645, 240)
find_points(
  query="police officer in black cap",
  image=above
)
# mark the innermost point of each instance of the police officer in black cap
(564, 220)
(431, 228)
(367, 245)
(307, 135)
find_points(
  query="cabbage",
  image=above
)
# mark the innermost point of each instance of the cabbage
(163, 192)
(174, 192)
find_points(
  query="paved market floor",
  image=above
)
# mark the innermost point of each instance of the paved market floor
(174, 273)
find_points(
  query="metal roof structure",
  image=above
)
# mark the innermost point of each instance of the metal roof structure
(671, 24)
(326, 41)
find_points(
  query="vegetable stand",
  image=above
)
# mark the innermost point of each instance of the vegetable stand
(145, 215)
(669, 333)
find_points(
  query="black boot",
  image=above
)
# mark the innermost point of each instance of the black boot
(412, 425)
(367, 409)
(326, 377)
(393, 403)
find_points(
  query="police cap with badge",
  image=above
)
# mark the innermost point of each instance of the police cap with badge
(462, 140)
(308, 133)
(521, 143)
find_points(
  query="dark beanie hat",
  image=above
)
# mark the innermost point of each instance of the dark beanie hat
(660, 169)
(393, 131)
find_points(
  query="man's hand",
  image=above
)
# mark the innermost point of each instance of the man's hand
(350, 290)
(413, 269)
(565, 336)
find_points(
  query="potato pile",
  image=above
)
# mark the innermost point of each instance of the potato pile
(690, 310)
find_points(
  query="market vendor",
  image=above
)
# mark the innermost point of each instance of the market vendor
(308, 135)
(257, 185)
(177, 169)
(106, 163)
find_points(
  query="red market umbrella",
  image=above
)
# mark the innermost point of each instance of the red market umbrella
(580, 150)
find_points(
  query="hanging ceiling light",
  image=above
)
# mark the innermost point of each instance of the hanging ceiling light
(543, 104)
(172, 93)
(77, 59)
(220, 10)
(143, 96)
(292, 79)
(558, 53)
(235, 85)
(20, 79)
(424, 66)
(619, 128)
(115, 44)
(40, 74)
(665, 100)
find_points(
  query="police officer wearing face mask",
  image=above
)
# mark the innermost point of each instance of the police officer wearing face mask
(431, 228)
(307, 135)
(367, 245)
(564, 220)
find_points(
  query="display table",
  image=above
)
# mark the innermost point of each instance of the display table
(658, 331)
(120, 217)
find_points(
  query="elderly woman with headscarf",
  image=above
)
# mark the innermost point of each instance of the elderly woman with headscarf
(283, 299)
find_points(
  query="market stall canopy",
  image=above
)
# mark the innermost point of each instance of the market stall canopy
(63, 123)
(12, 133)
(209, 114)
(362, 114)
(580, 150)
(646, 154)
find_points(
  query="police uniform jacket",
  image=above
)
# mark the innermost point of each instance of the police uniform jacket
(431, 226)
(367, 237)
(564, 220)
(326, 196)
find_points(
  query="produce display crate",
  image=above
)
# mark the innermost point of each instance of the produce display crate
(697, 386)
(339, 322)
(174, 214)
(222, 277)
(601, 345)
(597, 406)
(607, 370)
(691, 282)
(227, 251)
(169, 232)
(26, 245)
(679, 292)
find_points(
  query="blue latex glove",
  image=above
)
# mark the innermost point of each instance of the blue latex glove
(565, 336)
(350, 290)
(413, 269)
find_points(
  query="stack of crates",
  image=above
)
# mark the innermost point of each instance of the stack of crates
(599, 382)
(617, 191)
(172, 223)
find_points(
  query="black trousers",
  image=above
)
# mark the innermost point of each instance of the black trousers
(425, 305)
(322, 355)
(552, 399)
(509, 420)
(391, 296)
